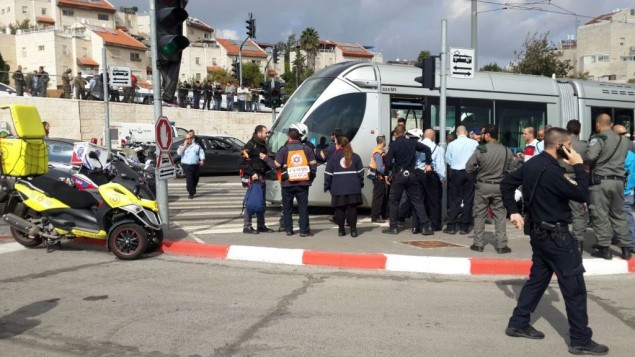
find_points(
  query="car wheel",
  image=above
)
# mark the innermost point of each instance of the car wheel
(179, 170)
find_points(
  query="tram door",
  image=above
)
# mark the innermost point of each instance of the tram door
(409, 108)
(620, 116)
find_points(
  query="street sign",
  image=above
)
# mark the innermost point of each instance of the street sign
(119, 76)
(165, 166)
(163, 132)
(461, 62)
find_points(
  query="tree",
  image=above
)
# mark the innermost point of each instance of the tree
(299, 73)
(4, 71)
(632, 80)
(423, 55)
(540, 57)
(221, 76)
(252, 76)
(492, 67)
(129, 10)
(310, 44)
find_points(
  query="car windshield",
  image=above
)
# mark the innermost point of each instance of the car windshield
(295, 109)
(59, 151)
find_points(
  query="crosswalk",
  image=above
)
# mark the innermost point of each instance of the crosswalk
(216, 209)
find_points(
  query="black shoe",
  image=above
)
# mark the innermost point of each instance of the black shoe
(250, 230)
(281, 229)
(341, 233)
(306, 234)
(428, 231)
(390, 231)
(626, 253)
(449, 230)
(527, 332)
(603, 252)
(503, 250)
(190, 196)
(416, 230)
(464, 231)
(476, 248)
(378, 220)
(592, 348)
(353, 233)
(265, 229)
(290, 233)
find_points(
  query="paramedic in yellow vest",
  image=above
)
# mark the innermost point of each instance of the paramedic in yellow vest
(378, 211)
(298, 171)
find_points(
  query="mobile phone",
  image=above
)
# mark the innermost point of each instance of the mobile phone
(561, 152)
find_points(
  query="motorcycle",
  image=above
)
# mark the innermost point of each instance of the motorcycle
(45, 210)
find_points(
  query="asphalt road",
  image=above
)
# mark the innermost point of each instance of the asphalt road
(81, 301)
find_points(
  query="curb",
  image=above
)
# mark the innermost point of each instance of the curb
(388, 262)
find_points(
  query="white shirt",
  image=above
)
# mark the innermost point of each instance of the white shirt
(459, 151)
(534, 152)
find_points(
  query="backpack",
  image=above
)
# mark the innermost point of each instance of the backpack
(254, 200)
(297, 164)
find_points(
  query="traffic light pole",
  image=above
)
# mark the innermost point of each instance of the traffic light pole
(104, 81)
(442, 105)
(240, 62)
(273, 108)
(162, 185)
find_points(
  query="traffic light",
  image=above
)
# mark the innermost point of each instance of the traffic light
(170, 42)
(266, 93)
(428, 76)
(251, 26)
(274, 54)
(276, 95)
(236, 69)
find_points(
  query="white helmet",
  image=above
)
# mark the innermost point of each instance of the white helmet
(415, 133)
(301, 128)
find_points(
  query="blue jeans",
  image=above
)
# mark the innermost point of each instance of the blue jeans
(628, 209)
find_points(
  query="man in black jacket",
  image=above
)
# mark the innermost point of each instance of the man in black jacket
(255, 168)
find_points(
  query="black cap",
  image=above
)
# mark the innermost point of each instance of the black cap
(401, 120)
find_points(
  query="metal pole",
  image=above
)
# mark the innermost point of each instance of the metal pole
(162, 185)
(442, 107)
(474, 32)
(240, 62)
(273, 109)
(106, 98)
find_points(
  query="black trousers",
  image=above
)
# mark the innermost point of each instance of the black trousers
(411, 185)
(433, 199)
(191, 177)
(566, 263)
(461, 187)
(301, 194)
(380, 204)
(207, 102)
(344, 214)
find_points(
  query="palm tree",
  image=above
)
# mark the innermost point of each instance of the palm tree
(310, 44)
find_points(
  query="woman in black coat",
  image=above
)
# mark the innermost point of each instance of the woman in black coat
(344, 177)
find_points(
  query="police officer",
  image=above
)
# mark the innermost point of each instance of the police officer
(578, 210)
(256, 168)
(605, 156)
(491, 161)
(79, 83)
(546, 191)
(196, 94)
(460, 183)
(20, 81)
(184, 90)
(66, 83)
(400, 160)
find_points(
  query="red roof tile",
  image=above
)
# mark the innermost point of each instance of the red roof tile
(354, 50)
(85, 61)
(250, 49)
(214, 68)
(45, 19)
(117, 38)
(88, 4)
(604, 17)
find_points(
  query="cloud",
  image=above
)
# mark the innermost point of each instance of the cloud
(227, 34)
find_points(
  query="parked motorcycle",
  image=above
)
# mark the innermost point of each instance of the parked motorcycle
(48, 210)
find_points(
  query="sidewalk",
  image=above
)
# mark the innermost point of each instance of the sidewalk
(447, 254)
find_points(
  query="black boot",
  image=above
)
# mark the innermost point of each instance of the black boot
(603, 252)
(354, 232)
(626, 253)
(581, 246)
(342, 232)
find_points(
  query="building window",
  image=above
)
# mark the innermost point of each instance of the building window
(102, 17)
(25, 9)
(214, 62)
(64, 49)
(84, 52)
(198, 76)
(207, 35)
(197, 60)
(8, 9)
(23, 51)
(115, 54)
(68, 12)
(43, 11)
(40, 48)
(134, 56)
(603, 58)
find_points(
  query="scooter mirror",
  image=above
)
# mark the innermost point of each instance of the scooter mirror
(93, 155)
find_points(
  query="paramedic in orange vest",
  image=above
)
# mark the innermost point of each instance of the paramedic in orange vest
(298, 171)
(378, 211)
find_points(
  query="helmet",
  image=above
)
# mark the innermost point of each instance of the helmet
(301, 128)
(415, 133)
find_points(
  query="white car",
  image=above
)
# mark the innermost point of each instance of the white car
(7, 91)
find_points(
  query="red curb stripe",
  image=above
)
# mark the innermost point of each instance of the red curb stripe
(344, 260)
(193, 249)
(499, 267)
(631, 265)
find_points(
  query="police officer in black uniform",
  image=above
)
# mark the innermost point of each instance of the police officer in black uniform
(400, 161)
(547, 191)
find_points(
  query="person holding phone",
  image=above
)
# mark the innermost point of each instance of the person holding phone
(192, 158)
(547, 191)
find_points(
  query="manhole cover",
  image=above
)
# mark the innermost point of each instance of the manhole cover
(431, 244)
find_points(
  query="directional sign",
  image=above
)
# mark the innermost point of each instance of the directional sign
(165, 166)
(119, 76)
(163, 132)
(461, 62)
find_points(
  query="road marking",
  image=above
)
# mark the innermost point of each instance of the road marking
(10, 247)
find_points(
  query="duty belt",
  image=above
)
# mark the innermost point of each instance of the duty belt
(610, 177)
(489, 182)
(553, 231)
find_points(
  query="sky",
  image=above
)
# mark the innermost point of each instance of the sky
(400, 29)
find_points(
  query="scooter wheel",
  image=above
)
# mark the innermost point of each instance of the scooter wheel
(154, 241)
(128, 241)
(25, 239)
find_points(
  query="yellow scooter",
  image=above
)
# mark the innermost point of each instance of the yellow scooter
(125, 213)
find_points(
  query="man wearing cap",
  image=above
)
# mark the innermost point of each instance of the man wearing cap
(460, 183)
(490, 161)
(475, 134)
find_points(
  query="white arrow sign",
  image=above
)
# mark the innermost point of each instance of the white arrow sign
(461, 62)
(165, 166)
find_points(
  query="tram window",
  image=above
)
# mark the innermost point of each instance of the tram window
(471, 113)
(619, 116)
(411, 111)
(513, 117)
(344, 111)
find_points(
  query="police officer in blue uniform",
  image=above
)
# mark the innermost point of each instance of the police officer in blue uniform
(400, 161)
(547, 191)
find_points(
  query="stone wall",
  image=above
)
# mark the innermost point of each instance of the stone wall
(82, 120)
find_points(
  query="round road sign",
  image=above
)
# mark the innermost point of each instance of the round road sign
(163, 134)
